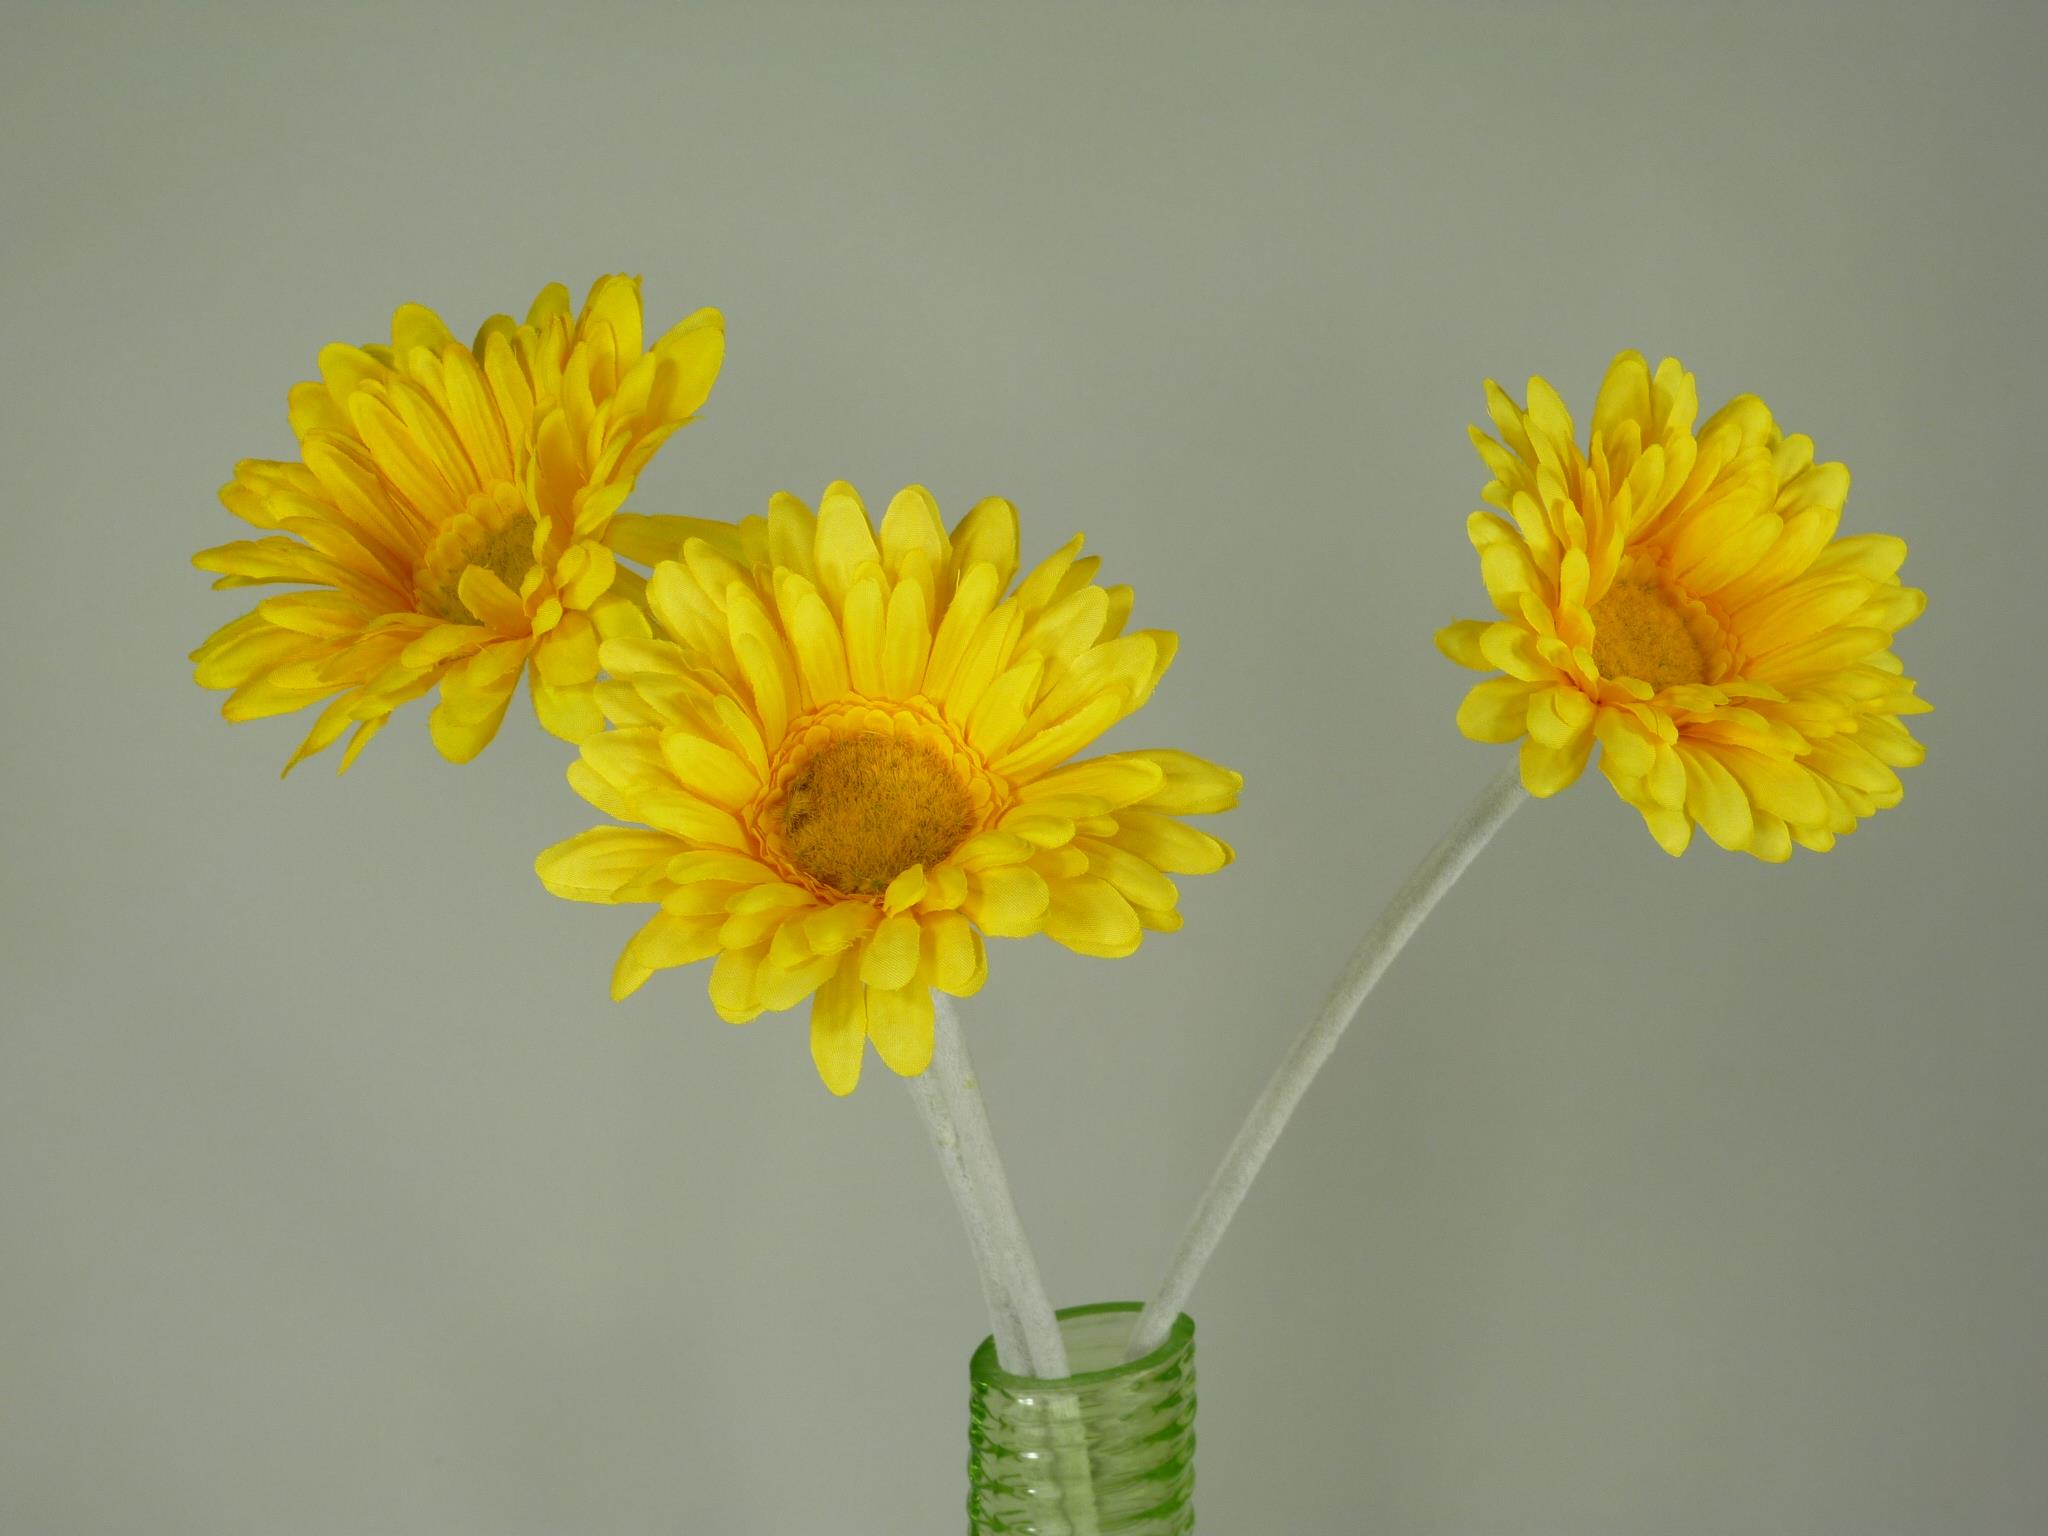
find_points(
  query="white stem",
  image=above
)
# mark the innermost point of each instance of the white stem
(938, 1123)
(1010, 1277)
(1261, 1129)
(1010, 1261)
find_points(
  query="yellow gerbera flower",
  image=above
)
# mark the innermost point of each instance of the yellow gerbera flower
(456, 510)
(848, 762)
(1682, 599)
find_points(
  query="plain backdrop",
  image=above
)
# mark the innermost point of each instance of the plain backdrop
(1681, 1197)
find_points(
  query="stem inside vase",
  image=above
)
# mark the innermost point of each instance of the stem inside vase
(1106, 1451)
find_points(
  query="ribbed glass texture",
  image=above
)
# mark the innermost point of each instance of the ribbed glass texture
(1109, 1451)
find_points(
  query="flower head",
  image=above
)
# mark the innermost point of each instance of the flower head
(847, 760)
(456, 512)
(1681, 598)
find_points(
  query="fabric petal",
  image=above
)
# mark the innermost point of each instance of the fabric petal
(839, 1028)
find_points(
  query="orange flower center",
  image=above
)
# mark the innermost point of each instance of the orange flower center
(1640, 632)
(862, 789)
(867, 807)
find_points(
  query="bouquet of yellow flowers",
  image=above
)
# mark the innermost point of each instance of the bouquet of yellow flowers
(838, 753)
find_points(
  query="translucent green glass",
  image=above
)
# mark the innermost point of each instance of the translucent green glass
(1110, 1451)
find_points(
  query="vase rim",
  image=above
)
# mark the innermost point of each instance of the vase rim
(984, 1366)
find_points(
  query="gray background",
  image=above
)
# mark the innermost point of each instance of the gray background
(1689, 1197)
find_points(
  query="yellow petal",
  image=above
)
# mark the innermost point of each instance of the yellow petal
(686, 612)
(629, 759)
(844, 542)
(614, 301)
(839, 1028)
(568, 653)
(835, 928)
(1509, 572)
(944, 889)
(905, 891)
(906, 642)
(1624, 395)
(1064, 738)
(1128, 778)
(1626, 749)
(1134, 878)
(663, 941)
(971, 604)
(319, 615)
(651, 538)
(1517, 651)
(1772, 840)
(1559, 717)
(1547, 770)
(1159, 919)
(988, 535)
(994, 723)
(985, 658)
(1876, 556)
(781, 987)
(890, 960)
(765, 678)
(496, 605)
(408, 465)
(709, 770)
(1169, 845)
(719, 866)
(598, 864)
(1672, 829)
(1037, 589)
(732, 987)
(1818, 655)
(912, 523)
(1008, 902)
(820, 652)
(592, 578)
(792, 536)
(1039, 829)
(1666, 779)
(248, 647)
(687, 359)
(1460, 642)
(1549, 423)
(900, 1022)
(598, 790)
(1715, 800)
(473, 700)
(551, 303)
(954, 954)
(1496, 710)
(1090, 917)
(336, 718)
(1067, 628)
(1785, 790)
(347, 369)
(631, 656)
(1128, 664)
(569, 712)
(442, 642)
(688, 817)
(863, 625)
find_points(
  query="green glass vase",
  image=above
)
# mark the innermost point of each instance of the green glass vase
(1109, 1451)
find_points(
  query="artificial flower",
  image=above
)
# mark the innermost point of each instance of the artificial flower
(455, 513)
(1682, 599)
(847, 759)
